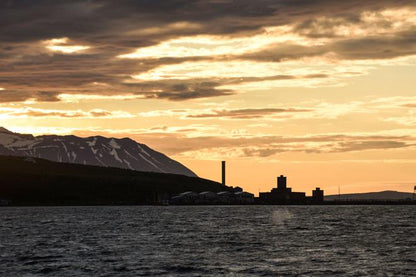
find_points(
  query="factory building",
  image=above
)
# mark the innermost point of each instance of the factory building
(212, 198)
(317, 195)
(231, 196)
(243, 197)
(185, 198)
(282, 194)
(207, 197)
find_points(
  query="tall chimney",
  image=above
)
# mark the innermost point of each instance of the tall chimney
(223, 172)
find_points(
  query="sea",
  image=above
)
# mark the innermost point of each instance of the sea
(208, 241)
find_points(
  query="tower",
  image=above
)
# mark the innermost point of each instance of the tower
(281, 182)
(223, 172)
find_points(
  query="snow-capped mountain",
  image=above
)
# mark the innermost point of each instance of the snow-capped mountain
(100, 151)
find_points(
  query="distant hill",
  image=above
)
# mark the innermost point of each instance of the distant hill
(32, 181)
(97, 150)
(382, 195)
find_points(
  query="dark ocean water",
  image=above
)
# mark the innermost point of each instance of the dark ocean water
(208, 240)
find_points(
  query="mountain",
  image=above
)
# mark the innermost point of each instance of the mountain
(32, 181)
(97, 150)
(382, 195)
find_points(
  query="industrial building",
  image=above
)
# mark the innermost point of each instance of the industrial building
(212, 198)
(234, 196)
(284, 195)
(281, 194)
(317, 195)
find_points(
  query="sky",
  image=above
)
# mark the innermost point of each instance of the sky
(323, 92)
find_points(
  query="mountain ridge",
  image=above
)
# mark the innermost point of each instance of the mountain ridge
(379, 195)
(94, 150)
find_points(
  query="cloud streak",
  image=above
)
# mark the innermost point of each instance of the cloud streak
(205, 142)
(48, 113)
(248, 113)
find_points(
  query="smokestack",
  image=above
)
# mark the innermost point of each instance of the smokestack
(223, 172)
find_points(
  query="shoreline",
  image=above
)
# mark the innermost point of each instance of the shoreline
(325, 203)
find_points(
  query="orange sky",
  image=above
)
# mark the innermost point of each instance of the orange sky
(322, 93)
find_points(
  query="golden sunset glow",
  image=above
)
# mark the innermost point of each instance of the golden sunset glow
(218, 45)
(91, 97)
(324, 95)
(59, 45)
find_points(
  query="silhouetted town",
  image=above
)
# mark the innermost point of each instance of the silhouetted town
(281, 194)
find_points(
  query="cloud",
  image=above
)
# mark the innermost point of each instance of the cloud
(185, 91)
(217, 46)
(61, 45)
(314, 110)
(32, 112)
(257, 147)
(70, 46)
(248, 113)
(232, 72)
(406, 120)
(75, 98)
(7, 95)
(369, 145)
(402, 44)
(210, 142)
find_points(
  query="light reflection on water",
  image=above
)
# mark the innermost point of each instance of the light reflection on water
(208, 240)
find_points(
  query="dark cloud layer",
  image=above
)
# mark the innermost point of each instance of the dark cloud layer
(112, 28)
(20, 96)
(100, 20)
(371, 47)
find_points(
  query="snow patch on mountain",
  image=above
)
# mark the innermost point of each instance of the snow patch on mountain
(6, 139)
(114, 144)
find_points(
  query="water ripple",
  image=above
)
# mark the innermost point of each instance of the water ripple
(208, 241)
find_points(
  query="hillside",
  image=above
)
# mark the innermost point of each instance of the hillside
(382, 195)
(32, 181)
